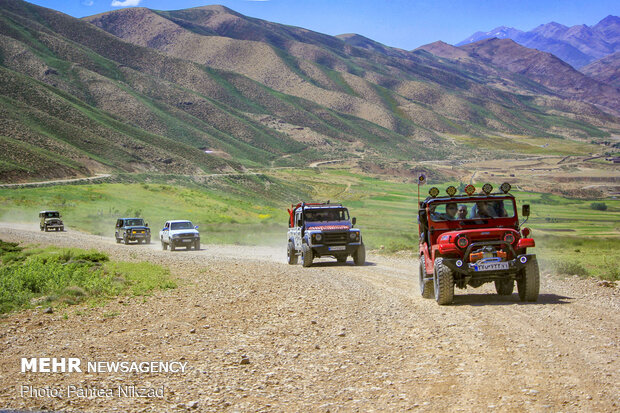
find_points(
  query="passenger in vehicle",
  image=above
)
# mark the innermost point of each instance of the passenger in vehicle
(462, 212)
(451, 210)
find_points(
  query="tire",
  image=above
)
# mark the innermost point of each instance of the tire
(306, 255)
(341, 259)
(118, 240)
(172, 246)
(164, 246)
(504, 287)
(139, 241)
(125, 240)
(291, 254)
(529, 283)
(197, 245)
(46, 228)
(359, 256)
(148, 240)
(443, 279)
(41, 227)
(427, 289)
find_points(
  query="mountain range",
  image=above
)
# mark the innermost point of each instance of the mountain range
(208, 90)
(577, 45)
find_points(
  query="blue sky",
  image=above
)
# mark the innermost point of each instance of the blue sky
(400, 23)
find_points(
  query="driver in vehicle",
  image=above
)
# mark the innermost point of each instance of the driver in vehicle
(482, 210)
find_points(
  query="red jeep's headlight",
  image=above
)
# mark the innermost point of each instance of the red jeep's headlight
(509, 238)
(525, 232)
(462, 242)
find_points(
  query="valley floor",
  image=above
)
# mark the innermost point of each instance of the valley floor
(331, 337)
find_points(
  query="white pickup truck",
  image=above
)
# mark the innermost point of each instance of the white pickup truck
(179, 233)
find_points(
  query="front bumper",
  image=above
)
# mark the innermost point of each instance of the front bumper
(472, 271)
(185, 241)
(321, 249)
(138, 236)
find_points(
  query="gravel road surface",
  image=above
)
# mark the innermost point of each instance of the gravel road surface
(260, 335)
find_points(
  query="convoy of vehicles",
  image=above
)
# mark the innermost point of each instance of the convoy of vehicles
(50, 220)
(474, 239)
(317, 230)
(179, 233)
(465, 240)
(132, 229)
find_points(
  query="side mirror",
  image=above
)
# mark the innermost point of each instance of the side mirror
(354, 221)
(146, 225)
(525, 211)
(196, 227)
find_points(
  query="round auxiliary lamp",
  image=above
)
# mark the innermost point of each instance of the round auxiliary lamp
(487, 188)
(470, 189)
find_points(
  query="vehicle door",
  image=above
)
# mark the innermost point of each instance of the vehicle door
(298, 228)
(118, 231)
(165, 235)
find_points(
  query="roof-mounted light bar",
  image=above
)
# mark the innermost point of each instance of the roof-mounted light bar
(487, 188)
(451, 191)
(433, 192)
(505, 188)
(470, 189)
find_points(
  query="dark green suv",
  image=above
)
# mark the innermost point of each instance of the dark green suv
(132, 229)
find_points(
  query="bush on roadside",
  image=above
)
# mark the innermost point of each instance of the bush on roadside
(598, 206)
(70, 276)
(571, 268)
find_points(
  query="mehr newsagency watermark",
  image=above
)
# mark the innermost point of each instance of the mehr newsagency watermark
(74, 365)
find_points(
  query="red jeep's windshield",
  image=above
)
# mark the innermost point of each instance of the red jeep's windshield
(464, 210)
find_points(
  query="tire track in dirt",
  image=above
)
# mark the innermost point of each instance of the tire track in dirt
(329, 337)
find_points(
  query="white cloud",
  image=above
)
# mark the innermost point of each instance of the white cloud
(87, 3)
(125, 3)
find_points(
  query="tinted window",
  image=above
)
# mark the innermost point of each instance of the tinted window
(134, 222)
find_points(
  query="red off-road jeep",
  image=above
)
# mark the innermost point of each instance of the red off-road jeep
(474, 239)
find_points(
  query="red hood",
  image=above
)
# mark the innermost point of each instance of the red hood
(480, 234)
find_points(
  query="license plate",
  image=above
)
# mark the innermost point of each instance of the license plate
(491, 266)
(187, 240)
(338, 248)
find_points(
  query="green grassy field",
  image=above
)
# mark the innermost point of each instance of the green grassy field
(31, 276)
(251, 209)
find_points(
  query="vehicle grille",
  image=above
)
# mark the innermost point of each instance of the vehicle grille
(186, 235)
(335, 238)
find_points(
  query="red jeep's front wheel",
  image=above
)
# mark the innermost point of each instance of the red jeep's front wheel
(426, 285)
(443, 282)
(529, 283)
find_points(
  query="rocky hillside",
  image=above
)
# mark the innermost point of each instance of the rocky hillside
(605, 70)
(577, 45)
(207, 90)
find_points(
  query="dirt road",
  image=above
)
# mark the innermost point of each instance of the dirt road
(327, 338)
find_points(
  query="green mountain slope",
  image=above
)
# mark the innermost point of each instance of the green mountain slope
(207, 90)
